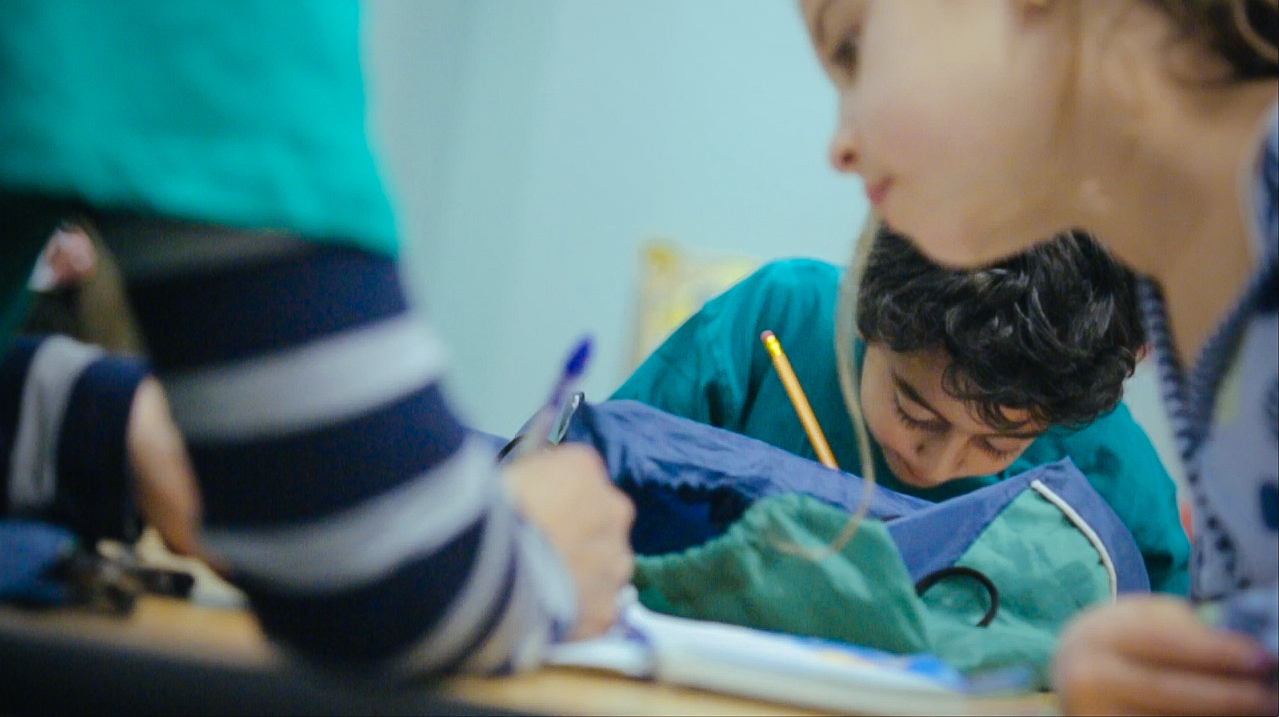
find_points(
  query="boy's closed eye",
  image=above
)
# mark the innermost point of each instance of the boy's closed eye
(931, 421)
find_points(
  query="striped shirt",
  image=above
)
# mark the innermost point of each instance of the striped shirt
(367, 525)
(365, 522)
(64, 410)
(1225, 412)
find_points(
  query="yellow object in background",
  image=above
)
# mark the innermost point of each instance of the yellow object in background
(674, 284)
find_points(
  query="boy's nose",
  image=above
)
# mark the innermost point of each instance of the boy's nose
(941, 459)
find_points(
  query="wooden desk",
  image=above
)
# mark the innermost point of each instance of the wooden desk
(232, 637)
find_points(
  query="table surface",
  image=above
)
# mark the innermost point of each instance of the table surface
(232, 637)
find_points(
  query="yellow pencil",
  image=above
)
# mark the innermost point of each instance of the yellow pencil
(799, 400)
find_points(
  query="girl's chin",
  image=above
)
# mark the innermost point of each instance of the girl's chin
(943, 239)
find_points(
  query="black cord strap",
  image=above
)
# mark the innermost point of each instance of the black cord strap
(935, 577)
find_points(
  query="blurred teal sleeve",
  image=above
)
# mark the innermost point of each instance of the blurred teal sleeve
(246, 113)
(1121, 464)
(696, 372)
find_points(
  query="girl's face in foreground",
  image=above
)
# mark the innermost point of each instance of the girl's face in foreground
(929, 437)
(950, 112)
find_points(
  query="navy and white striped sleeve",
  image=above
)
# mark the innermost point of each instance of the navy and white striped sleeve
(367, 525)
(64, 413)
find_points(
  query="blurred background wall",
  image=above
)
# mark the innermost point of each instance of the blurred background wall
(533, 145)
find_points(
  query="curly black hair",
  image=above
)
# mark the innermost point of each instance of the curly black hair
(1053, 331)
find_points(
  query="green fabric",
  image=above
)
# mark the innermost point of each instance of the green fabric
(863, 595)
(1044, 568)
(713, 369)
(1046, 571)
(239, 112)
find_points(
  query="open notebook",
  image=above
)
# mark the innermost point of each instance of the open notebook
(772, 666)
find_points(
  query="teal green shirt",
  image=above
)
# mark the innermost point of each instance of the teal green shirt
(238, 112)
(714, 369)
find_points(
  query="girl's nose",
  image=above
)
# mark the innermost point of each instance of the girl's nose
(845, 146)
(845, 155)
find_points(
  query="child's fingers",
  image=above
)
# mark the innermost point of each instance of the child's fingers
(1153, 655)
(1141, 688)
(1167, 632)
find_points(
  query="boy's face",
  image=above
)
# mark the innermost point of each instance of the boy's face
(929, 437)
(949, 111)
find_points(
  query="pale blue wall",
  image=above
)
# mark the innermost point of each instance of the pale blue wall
(534, 143)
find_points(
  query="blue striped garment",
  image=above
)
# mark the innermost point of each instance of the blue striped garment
(1225, 414)
(64, 410)
(366, 524)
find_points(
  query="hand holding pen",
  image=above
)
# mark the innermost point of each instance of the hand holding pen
(565, 491)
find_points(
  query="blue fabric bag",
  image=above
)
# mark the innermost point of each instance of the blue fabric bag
(29, 550)
(983, 580)
(690, 482)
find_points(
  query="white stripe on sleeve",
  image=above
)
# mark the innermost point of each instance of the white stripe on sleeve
(55, 367)
(542, 602)
(319, 383)
(542, 598)
(474, 605)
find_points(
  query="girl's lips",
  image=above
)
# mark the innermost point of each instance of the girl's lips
(877, 191)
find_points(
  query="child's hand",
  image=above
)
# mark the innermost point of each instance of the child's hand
(1152, 655)
(164, 483)
(566, 492)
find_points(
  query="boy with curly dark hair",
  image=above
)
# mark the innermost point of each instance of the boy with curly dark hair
(966, 377)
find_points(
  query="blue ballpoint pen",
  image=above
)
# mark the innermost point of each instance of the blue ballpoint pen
(536, 432)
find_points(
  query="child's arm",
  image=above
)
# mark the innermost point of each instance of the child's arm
(366, 524)
(164, 484)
